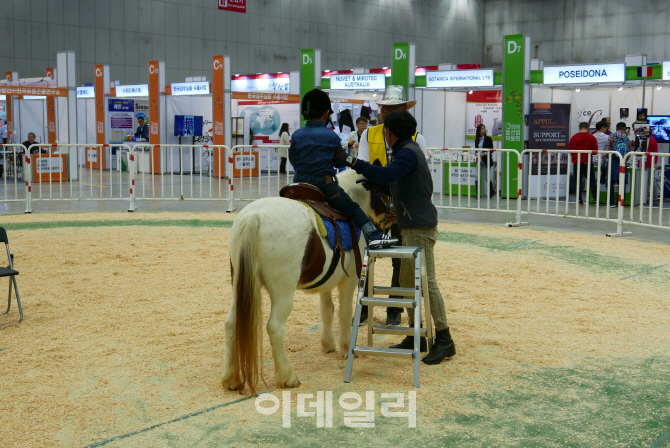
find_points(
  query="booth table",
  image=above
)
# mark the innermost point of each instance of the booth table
(49, 167)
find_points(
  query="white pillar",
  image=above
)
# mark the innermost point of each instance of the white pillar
(67, 106)
(227, 106)
(294, 84)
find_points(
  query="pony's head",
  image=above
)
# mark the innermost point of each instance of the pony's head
(374, 203)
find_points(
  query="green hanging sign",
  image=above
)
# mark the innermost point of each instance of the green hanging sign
(306, 76)
(400, 66)
(513, 82)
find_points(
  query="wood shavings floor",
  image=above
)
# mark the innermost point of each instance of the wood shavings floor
(562, 340)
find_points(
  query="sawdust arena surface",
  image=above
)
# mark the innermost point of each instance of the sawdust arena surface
(562, 340)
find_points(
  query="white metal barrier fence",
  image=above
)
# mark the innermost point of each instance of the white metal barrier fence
(181, 172)
(12, 161)
(649, 184)
(253, 171)
(549, 183)
(463, 187)
(72, 172)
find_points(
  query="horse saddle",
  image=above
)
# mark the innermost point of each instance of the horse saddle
(314, 198)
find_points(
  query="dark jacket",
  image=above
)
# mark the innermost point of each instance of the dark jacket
(410, 184)
(488, 142)
(142, 131)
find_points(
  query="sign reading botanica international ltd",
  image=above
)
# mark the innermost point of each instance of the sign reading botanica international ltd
(233, 5)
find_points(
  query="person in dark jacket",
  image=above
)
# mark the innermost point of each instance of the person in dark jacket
(142, 129)
(407, 178)
(485, 142)
(580, 162)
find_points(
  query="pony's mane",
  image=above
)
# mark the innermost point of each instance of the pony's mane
(347, 180)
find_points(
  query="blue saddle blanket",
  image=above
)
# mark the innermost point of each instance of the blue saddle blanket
(344, 231)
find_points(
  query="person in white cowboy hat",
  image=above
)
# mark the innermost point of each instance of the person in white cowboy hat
(372, 146)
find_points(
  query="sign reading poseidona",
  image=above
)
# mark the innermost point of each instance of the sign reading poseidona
(367, 81)
(584, 74)
(459, 78)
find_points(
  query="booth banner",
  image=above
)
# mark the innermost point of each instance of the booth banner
(515, 69)
(549, 126)
(400, 66)
(51, 112)
(92, 155)
(484, 106)
(233, 5)
(121, 117)
(306, 75)
(99, 105)
(217, 99)
(590, 106)
(154, 99)
(266, 119)
(141, 111)
(553, 183)
(280, 83)
(462, 175)
(513, 90)
(48, 165)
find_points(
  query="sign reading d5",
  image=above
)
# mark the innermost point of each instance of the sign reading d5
(306, 76)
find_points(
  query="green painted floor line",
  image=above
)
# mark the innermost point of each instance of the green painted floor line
(174, 420)
(582, 257)
(119, 223)
(661, 442)
(516, 245)
(645, 271)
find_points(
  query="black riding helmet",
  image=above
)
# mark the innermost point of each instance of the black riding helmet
(315, 103)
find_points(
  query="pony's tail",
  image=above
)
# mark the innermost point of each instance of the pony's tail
(248, 338)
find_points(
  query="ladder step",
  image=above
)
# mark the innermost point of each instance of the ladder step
(383, 351)
(392, 329)
(395, 252)
(379, 301)
(393, 291)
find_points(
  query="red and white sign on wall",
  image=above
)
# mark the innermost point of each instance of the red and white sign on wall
(233, 5)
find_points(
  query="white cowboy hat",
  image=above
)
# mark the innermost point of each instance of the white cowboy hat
(395, 95)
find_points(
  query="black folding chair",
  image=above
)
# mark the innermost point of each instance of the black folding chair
(11, 273)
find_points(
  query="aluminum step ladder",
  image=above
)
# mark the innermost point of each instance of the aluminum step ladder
(411, 299)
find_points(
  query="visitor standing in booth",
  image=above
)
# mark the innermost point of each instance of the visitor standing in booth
(284, 139)
(352, 142)
(373, 147)
(142, 129)
(620, 143)
(483, 141)
(583, 140)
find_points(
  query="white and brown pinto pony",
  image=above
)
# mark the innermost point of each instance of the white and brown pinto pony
(276, 243)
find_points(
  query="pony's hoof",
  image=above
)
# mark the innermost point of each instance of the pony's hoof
(293, 381)
(231, 383)
(328, 347)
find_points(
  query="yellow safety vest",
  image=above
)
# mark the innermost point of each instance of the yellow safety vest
(377, 144)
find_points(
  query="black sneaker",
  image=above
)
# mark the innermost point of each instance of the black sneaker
(379, 240)
(393, 316)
